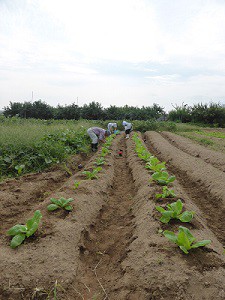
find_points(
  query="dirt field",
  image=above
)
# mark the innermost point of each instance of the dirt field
(111, 246)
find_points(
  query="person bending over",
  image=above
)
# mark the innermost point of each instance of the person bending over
(97, 134)
(128, 128)
(112, 127)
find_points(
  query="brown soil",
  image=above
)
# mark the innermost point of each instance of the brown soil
(215, 158)
(110, 246)
(218, 144)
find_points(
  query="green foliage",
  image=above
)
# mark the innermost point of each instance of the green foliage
(143, 154)
(154, 164)
(91, 111)
(166, 193)
(100, 161)
(212, 134)
(93, 174)
(20, 169)
(20, 232)
(163, 178)
(76, 184)
(185, 239)
(104, 151)
(18, 158)
(174, 211)
(37, 109)
(212, 114)
(60, 203)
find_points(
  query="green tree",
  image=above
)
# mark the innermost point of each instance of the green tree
(92, 111)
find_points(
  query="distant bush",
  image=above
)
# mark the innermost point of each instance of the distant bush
(143, 126)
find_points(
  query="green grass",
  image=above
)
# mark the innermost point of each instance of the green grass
(215, 134)
(200, 140)
(27, 131)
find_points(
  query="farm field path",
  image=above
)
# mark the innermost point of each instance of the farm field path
(105, 246)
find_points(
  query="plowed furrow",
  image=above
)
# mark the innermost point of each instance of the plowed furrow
(215, 158)
(104, 246)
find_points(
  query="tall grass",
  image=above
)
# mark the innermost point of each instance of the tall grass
(28, 131)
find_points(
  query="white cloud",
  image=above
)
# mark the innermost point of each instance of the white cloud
(123, 51)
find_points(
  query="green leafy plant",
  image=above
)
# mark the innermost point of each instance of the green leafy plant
(166, 193)
(100, 161)
(60, 203)
(104, 152)
(155, 167)
(163, 178)
(19, 169)
(93, 174)
(174, 212)
(20, 232)
(76, 184)
(144, 155)
(185, 239)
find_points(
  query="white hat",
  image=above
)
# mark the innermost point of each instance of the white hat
(124, 123)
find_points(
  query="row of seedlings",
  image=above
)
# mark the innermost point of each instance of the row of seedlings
(184, 239)
(100, 160)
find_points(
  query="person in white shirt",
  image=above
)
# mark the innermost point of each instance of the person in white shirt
(128, 128)
(112, 127)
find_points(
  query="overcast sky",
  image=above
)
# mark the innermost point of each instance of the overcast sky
(115, 52)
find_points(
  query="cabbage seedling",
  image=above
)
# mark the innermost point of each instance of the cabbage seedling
(174, 212)
(93, 174)
(20, 232)
(76, 184)
(166, 193)
(100, 161)
(163, 178)
(185, 239)
(104, 151)
(156, 168)
(60, 203)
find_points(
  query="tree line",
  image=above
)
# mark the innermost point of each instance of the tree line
(91, 111)
(211, 114)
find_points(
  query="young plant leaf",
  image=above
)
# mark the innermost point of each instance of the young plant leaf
(52, 207)
(174, 212)
(17, 229)
(201, 243)
(162, 178)
(166, 193)
(184, 239)
(17, 240)
(32, 224)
